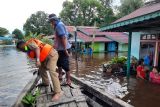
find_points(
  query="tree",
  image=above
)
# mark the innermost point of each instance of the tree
(86, 12)
(106, 3)
(37, 23)
(18, 34)
(3, 31)
(128, 6)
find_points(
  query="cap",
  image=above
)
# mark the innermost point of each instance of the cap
(52, 17)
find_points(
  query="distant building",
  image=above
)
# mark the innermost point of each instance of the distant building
(7, 39)
(99, 41)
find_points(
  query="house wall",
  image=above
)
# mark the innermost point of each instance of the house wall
(112, 46)
(123, 47)
(135, 44)
(99, 47)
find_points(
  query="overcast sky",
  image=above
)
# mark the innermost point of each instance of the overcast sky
(13, 13)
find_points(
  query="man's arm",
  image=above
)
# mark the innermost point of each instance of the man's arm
(36, 49)
(64, 43)
(61, 31)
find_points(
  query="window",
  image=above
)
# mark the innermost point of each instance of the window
(149, 37)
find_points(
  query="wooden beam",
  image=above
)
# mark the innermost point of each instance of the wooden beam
(156, 54)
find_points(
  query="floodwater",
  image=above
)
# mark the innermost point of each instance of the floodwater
(137, 92)
(14, 74)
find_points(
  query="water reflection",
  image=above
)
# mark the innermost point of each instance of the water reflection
(139, 93)
(14, 74)
(90, 71)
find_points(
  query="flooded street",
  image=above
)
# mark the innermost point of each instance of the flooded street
(14, 74)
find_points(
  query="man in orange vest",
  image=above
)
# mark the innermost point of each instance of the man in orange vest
(46, 59)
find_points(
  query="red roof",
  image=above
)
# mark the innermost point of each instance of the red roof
(70, 28)
(100, 36)
(140, 12)
(87, 38)
(114, 36)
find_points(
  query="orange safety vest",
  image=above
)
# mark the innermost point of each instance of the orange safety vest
(44, 49)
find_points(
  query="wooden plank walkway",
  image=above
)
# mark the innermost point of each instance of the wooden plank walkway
(72, 97)
(105, 97)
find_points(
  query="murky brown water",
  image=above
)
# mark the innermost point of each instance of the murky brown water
(137, 92)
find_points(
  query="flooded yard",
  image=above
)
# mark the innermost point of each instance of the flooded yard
(139, 93)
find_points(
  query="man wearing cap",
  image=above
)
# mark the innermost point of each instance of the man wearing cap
(62, 45)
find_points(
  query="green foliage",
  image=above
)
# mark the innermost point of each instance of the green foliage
(30, 99)
(3, 31)
(48, 41)
(86, 12)
(37, 23)
(106, 3)
(38, 36)
(128, 6)
(18, 34)
(121, 60)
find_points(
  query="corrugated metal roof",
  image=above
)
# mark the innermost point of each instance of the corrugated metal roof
(113, 36)
(140, 12)
(140, 15)
(85, 37)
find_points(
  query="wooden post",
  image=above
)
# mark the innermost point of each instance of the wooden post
(77, 74)
(94, 34)
(156, 55)
(129, 54)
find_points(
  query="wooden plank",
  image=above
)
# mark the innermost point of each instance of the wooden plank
(41, 101)
(78, 93)
(63, 105)
(63, 100)
(92, 102)
(74, 86)
(72, 104)
(68, 94)
(106, 97)
(67, 91)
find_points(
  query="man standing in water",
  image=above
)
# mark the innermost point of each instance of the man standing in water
(46, 59)
(62, 45)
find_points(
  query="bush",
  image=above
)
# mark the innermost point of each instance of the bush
(116, 66)
(120, 60)
(30, 99)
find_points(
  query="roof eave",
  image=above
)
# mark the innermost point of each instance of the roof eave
(131, 21)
